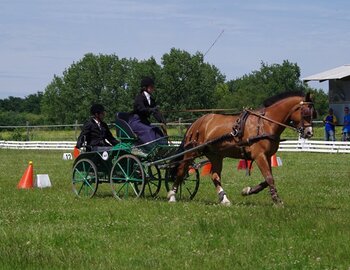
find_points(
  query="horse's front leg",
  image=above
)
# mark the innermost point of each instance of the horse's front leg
(216, 178)
(264, 164)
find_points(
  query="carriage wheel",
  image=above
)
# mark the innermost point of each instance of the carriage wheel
(153, 182)
(85, 180)
(188, 188)
(127, 177)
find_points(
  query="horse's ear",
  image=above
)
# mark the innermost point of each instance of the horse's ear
(308, 97)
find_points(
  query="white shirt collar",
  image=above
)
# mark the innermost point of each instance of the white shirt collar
(148, 96)
(97, 122)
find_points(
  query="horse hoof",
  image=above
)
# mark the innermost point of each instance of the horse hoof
(277, 201)
(171, 196)
(278, 204)
(245, 191)
(225, 201)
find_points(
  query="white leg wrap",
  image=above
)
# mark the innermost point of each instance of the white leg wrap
(171, 196)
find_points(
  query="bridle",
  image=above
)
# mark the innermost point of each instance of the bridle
(306, 112)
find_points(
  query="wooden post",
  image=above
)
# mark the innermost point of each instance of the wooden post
(27, 124)
(76, 129)
(180, 126)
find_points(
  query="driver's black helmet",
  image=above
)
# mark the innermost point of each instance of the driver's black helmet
(147, 81)
(96, 108)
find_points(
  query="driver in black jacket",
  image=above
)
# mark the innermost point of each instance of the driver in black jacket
(95, 132)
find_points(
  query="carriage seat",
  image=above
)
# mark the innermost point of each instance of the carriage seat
(124, 131)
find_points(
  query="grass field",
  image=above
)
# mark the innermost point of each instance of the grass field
(52, 229)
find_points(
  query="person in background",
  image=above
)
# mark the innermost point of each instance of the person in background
(145, 106)
(346, 127)
(330, 121)
(95, 132)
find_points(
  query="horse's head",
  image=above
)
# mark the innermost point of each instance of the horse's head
(303, 115)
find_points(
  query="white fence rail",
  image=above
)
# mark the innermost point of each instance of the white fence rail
(314, 146)
(39, 145)
(288, 146)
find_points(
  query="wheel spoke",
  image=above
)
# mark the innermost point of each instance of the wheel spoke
(134, 189)
(81, 187)
(85, 180)
(128, 174)
(188, 190)
(122, 187)
(80, 173)
(88, 184)
(121, 168)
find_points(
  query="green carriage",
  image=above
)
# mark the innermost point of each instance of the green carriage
(132, 170)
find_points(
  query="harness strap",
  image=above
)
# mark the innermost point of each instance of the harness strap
(238, 127)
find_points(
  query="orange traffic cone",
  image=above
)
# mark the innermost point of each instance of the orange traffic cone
(206, 169)
(274, 162)
(191, 170)
(245, 165)
(242, 165)
(76, 152)
(27, 178)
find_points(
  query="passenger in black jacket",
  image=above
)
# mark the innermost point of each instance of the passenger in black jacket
(95, 132)
(145, 106)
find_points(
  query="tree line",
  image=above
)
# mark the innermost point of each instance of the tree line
(183, 81)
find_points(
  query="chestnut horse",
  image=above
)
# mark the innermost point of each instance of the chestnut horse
(252, 135)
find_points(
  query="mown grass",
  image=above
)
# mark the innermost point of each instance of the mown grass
(51, 229)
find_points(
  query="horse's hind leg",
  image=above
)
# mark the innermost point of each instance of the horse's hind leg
(216, 178)
(254, 190)
(264, 165)
(179, 176)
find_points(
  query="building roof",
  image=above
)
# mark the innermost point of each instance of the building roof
(332, 74)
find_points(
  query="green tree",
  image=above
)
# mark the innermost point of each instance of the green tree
(94, 79)
(32, 103)
(252, 89)
(321, 101)
(11, 103)
(115, 82)
(187, 82)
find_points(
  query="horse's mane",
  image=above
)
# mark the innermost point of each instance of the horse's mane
(272, 100)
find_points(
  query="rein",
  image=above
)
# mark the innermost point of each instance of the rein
(271, 120)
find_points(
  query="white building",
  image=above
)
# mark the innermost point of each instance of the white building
(339, 88)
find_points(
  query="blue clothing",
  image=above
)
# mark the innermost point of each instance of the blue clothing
(330, 121)
(139, 121)
(144, 132)
(346, 127)
(329, 135)
(329, 129)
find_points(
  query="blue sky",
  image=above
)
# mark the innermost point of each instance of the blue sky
(40, 38)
